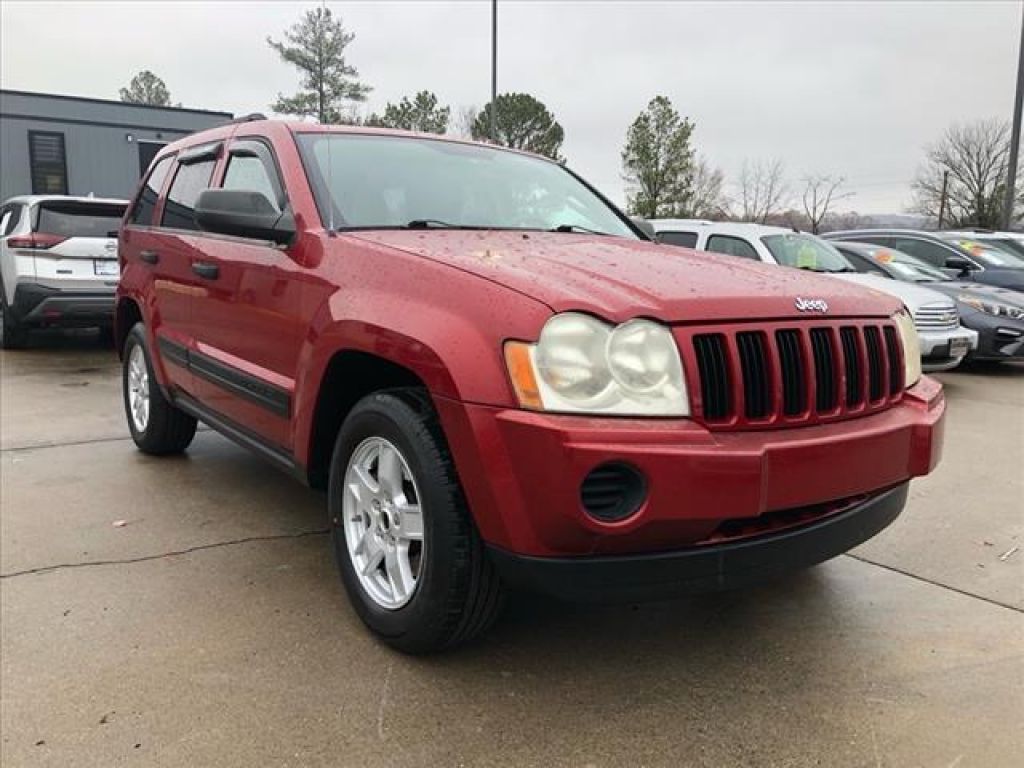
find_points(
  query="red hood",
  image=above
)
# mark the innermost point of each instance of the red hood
(618, 279)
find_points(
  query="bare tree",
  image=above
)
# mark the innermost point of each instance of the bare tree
(976, 158)
(820, 191)
(461, 124)
(706, 198)
(763, 189)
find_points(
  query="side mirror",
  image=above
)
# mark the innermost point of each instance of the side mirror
(644, 226)
(243, 213)
(961, 265)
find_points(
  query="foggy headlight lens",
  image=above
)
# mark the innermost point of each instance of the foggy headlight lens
(584, 365)
(911, 347)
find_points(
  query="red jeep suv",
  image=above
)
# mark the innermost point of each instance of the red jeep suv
(500, 380)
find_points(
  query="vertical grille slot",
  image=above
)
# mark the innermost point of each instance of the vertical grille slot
(873, 346)
(791, 360)
(892, 348)
(851, 365)
(713, 367)
(754, 367)
(826, 396)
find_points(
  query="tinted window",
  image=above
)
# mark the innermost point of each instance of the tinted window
(189, 181)
(1016, 246)
(731, 246)
(74, 219)
(7, 221)
(48, 163)
(250, 173)
(388, 181)
(142, 213)
(685, 239)
(935, 255)
(862, 263)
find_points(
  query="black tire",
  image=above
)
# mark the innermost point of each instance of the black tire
(14, 335)
(168, 430)
(458, 593)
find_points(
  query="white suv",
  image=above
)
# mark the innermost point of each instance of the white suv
(944, 342)
(58, 263)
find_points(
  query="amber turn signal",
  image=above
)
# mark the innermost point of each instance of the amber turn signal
(520, 371)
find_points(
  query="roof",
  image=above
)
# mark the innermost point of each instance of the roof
(114, 102)
(33, 199)
(722, 227)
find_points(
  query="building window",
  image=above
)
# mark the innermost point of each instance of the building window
(48, 163)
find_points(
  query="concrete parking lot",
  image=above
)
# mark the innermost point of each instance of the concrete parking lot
(209, 629)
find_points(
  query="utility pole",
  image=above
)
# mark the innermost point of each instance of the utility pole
(942, 198)
(1011, 176)
(494, 69)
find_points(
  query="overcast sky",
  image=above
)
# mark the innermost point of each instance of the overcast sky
(851, 89)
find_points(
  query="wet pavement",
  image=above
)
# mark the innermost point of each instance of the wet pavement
(210, 628)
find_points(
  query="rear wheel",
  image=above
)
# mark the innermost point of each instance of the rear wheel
(157, 427)
(409, 555)
(13, 335)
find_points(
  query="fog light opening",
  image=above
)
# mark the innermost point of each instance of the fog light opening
(612, 492)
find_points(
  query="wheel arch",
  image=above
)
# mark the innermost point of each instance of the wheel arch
(126, 315)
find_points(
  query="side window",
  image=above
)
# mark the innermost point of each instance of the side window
(189, 181)
(685, 239)
(731, 246)
(935, 255)
(255, 173)
(142, 211)
(864, 263)
(6, 215)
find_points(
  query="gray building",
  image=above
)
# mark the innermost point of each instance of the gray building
(67, 145)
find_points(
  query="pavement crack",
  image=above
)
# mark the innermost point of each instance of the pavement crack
(934, 583)
(162, 555)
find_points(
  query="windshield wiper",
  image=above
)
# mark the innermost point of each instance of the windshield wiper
(437, 224)
(576, 228)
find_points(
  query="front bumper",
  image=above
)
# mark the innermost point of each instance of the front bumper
(710, 568)
(936, 348)
(41, 305)
(522, 471)
(999, 338)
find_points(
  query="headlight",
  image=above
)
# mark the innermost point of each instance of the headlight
(911, 347)
(583, 365)
(992, 307)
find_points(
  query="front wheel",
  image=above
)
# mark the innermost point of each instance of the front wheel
(157, 427)
(409, 555)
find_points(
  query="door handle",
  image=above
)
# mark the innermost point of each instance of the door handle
(150, 257)
(208, 271)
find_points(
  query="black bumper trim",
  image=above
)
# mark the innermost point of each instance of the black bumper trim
(32, 303)
(710, 568)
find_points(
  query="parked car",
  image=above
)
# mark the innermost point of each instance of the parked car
(1008, 241)
(58, 263)
(499, 380)
(944, 342)
(996, 314)
(981, 265)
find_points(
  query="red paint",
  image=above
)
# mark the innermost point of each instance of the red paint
(442, 303)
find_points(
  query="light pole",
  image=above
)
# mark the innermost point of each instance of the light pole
(1011, 176)
(494, 68)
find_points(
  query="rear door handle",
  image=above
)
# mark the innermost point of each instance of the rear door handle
(150, 257)
(209, 271)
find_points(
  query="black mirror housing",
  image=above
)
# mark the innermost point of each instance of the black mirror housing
(243, 213)
(958, 263)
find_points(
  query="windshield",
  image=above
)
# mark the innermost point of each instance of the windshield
(806, 252)
(909, 267)
(990, 255)
(393, 181)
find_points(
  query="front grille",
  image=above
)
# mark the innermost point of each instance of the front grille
(937, 317)
(792, 373)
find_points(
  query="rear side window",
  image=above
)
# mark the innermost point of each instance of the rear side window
(78, 219)
(684, 239)
(189, 181)
(8, 220)
(142, 213)
(731, 246)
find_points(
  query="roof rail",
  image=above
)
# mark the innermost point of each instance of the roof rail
(250, 118)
